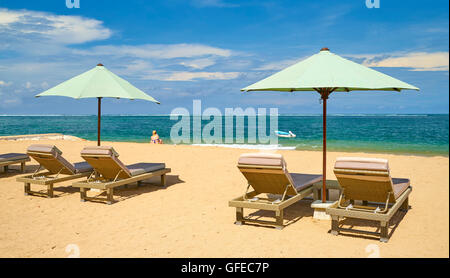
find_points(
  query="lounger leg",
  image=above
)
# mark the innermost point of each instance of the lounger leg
(163, 180)
(279, 219)
(334, 225)
(50, 190)
(239, 216)
(83, 194)
(22, 167)
(316, 193)
(405, 205)
(27, 187)
(384, 231)
(109, 194)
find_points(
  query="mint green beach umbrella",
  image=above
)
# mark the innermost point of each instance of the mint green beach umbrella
(326, 73)
(98, 83)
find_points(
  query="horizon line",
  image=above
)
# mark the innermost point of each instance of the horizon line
(160, 115)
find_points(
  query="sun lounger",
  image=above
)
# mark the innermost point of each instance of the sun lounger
(58, 169)
(267, 173)
(13, 158)
(110, 172)
(368, 180)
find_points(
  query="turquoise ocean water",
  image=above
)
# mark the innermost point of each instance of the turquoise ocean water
(407, 134)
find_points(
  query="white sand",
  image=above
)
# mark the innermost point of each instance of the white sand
(191, 217)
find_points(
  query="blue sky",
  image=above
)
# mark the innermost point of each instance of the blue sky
(180, 50)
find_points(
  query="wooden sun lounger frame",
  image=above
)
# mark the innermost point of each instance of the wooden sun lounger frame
(22, 162)
(47, 179)
(108, 186)
(366, 212)
(244, 201)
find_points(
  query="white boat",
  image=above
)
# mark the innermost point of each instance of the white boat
(285, 134)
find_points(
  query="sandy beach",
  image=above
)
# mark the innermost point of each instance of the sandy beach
(191, 217)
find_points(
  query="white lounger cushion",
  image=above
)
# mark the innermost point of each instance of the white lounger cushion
(53, 151)
(99, 150)
(263, 159)
(362, 163)
(302, 181)
(399, 186)
(372, 164)
(142, 168)
(132, 170)
(12, 156)
(299, 181)
(82, 167)
(42, 148)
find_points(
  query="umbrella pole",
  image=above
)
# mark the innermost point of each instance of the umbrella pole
(98, 120)
(324, 159)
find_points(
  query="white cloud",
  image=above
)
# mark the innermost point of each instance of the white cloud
(60, 29)
(4, 83)
(416, 61)
(10, 102)
(136, 67)
(279, 65)
(47, 37)
(7, 17)
(214, 3)
(190, 76)
(157, 51)
(199, 63)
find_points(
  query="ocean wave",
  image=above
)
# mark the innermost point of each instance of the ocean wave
(168, 115)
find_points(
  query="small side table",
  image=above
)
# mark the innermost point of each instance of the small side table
(317, 205)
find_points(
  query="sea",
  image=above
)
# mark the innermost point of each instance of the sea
(415, 134)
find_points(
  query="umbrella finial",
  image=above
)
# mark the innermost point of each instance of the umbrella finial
(99, 65)
(325, 49)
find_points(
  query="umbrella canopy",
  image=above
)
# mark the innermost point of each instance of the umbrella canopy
(98, 83)
(325, 73)
(328, 70)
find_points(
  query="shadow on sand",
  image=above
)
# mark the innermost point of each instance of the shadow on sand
(122, 193)
(14, 170)
(292, 214)
(360, 228)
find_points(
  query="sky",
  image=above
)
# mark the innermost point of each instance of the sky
(181, 50)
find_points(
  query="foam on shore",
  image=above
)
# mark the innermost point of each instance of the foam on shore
(248, 146)
(37, 137)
